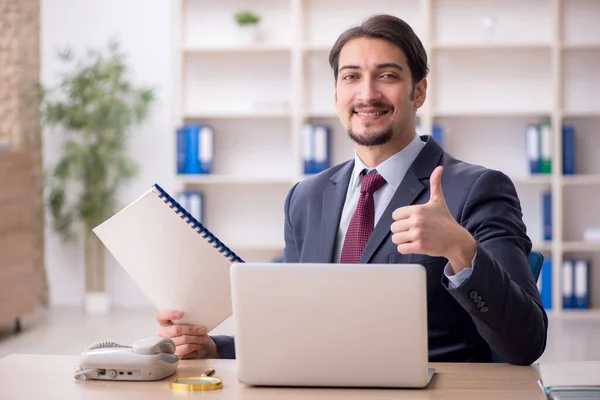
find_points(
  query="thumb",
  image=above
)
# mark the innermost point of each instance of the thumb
(435, 186)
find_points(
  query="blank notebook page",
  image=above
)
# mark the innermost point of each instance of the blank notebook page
(570, 374)
(174, 266)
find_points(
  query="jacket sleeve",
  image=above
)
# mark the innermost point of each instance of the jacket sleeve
(501, 294)
(225, 346)
(290, 252)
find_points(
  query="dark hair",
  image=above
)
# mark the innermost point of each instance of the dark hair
(395, 31)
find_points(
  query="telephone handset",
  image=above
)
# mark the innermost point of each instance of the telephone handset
(149, 359)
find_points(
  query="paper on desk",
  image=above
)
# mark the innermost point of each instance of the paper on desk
(173, 265)
(570, 374)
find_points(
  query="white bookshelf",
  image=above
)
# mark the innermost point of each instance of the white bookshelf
(495, 67)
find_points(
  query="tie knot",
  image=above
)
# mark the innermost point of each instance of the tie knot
(371, 183)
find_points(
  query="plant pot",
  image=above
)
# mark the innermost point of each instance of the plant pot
(248, 34)
(97, 303)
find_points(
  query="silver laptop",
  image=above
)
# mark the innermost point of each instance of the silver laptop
(335, 325)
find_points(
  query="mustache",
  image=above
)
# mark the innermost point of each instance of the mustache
(377, 104)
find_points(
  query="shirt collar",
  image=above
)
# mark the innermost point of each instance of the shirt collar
(394, 168)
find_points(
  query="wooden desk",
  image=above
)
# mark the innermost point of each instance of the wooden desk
(51, 377)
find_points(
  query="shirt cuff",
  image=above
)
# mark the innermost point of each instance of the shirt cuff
(456, 280)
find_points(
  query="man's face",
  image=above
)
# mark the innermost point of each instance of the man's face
(374, 92)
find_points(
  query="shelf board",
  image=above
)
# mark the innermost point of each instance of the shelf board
(233, 48)
(581, 114)
(581, 179)
(542, 246)
(583, 314)
(491, 113)
(580, 46)
(222, 179)
(532, 179)
(492, 46)
(237, 115)
(581, 246)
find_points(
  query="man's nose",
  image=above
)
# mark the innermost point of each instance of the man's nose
(368, 92)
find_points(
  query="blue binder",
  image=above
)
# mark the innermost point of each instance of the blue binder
(181, 150)
(308, 149)
(567, 283)
(199, 149)
(581, 284)
(438, 134)
(547, 214)
(568, 134)
(192, 151)
(321, 142)
(533, 140)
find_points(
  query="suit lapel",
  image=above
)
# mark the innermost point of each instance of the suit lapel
(408, 191)
(334, 197)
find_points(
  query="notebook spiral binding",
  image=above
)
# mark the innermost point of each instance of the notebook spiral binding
(197, 226)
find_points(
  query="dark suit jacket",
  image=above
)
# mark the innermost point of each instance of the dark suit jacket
(498, 308)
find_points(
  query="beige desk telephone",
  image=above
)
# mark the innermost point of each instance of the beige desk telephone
(149, 359)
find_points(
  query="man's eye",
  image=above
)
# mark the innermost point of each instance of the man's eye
(349, 77)
(388, 76)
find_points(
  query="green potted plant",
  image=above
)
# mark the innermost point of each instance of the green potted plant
(248, 23)
(94, 108)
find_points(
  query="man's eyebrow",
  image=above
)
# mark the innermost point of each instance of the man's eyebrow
(378, 66)
(349, 67)
(390, 65)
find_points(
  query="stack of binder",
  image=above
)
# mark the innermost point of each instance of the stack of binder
(576, 283)
(316, 148)
(195, 149)
(539, 149)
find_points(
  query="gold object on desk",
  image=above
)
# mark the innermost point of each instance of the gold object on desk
(206, 381)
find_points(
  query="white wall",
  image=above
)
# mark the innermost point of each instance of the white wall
(145, 32)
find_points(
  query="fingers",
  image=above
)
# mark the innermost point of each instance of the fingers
(404, 237)
(401, 226)
(165, 317)
(190, 339)
(410, 248)
(184, 350)
(404, 212)
(435, 185)
(172, 331)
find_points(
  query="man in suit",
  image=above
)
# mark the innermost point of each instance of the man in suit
(402, 199)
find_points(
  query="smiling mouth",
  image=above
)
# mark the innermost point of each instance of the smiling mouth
(370, 115)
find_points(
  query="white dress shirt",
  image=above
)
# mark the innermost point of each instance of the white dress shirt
(393, 171)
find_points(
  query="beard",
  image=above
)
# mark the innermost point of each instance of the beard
(377, 139)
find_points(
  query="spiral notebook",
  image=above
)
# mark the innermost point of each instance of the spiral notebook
(174, 259)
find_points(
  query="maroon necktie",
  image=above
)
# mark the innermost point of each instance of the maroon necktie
(363, 220)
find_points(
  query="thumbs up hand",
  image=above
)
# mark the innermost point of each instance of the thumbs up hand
(431, 229)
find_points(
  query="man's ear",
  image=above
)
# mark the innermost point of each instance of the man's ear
(420, 93)
(335, 92)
